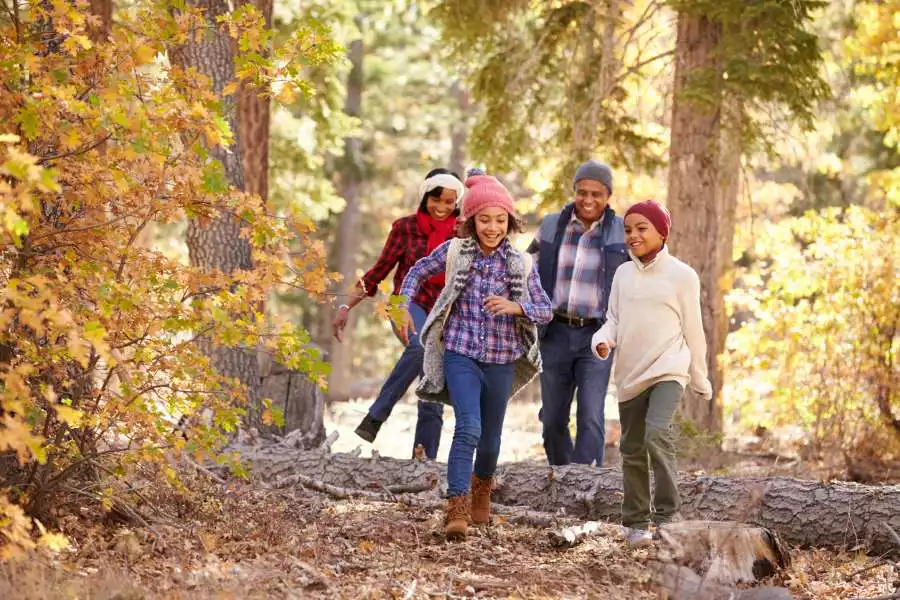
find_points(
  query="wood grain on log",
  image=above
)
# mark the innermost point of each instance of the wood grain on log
(835, 515)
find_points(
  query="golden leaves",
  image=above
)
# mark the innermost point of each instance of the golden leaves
(103, 146)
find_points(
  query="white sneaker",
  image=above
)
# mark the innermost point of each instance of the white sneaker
(638, 538)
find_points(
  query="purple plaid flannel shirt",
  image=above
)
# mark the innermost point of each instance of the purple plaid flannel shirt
(471, 330)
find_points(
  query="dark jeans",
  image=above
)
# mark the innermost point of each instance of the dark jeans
(569, 365)
(647, 441)
(408, 367)
(479, 392)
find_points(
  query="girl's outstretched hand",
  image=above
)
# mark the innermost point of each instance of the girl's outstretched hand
(406, 327)
(498, 305)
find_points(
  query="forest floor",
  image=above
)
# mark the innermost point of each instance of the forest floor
(243, 540)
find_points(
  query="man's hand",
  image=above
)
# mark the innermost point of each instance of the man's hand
(603, 350)
(340, 322)
(498, 305)
(406, 327)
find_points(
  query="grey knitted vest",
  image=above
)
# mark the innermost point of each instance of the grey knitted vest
(460, 257)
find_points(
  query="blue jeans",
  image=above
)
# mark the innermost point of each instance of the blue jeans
(408, 367)
(570, 365)
(479, 392)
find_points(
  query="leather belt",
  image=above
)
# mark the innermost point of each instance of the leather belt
(577, 321)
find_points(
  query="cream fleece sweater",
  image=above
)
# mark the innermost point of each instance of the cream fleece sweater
(654, 322)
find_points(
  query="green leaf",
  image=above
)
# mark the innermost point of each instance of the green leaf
(214, 179)
(29, 121)
(94, 332)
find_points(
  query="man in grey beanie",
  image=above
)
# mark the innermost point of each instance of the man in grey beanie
(577, 251)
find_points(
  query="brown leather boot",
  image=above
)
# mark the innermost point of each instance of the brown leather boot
(481, 499)
(456, 517)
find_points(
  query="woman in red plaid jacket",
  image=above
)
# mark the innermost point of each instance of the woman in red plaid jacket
(411, 238)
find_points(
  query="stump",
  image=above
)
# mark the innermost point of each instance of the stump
(681, 583)
(723, 552)
(301, 400)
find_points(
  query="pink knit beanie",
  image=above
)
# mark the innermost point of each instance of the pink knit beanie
(483, 192)
(656, 213)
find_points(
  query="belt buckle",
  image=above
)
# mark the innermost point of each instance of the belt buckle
(579, 321)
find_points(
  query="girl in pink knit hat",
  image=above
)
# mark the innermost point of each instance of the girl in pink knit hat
(654, 322)
(480, 341)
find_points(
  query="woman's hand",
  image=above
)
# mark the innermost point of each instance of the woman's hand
(340, 322)
(498, 305)
(406, 327)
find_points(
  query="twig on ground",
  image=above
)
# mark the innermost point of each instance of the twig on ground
(331, 439)
(412, 488)
(411, 591)
(134, 491)
(878, 563)
(568, 537)
(204, 470)
(120, 507)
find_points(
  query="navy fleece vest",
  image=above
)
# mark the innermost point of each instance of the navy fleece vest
(612, 241)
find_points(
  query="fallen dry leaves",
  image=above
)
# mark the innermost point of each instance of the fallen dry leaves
(242, 541)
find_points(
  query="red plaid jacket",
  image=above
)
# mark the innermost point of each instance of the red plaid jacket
(405, 244)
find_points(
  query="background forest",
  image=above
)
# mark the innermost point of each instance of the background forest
(189, 189)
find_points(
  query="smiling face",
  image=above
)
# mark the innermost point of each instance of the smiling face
(441, 207)
(641, 236)
(591, 199)
(491, 227)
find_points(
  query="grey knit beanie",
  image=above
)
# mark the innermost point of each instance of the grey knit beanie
(595, 171)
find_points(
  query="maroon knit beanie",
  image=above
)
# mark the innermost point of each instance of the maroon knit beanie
(483, 192)
(656, 213)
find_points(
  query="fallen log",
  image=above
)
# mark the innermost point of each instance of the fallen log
(835, 515)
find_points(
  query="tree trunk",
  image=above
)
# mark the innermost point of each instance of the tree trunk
(100, 29)
(694, 192)
(300, 399)
(459, 130)
(217, 245)
(807, 513)
(350, 185)
(253, 110)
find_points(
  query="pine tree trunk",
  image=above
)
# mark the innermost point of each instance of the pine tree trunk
(459, 130)
(102, 9)
(350, 185)
(694, 194)
(301, 401)
(217, 245)
(253, 110)
(721, 279)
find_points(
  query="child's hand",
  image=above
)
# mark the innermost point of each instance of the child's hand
(603, 350)
(406, 327)
(498, 305)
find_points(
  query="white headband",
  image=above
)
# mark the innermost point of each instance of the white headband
(444, 180)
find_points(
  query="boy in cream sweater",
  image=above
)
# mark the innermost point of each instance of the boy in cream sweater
(654, 322)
